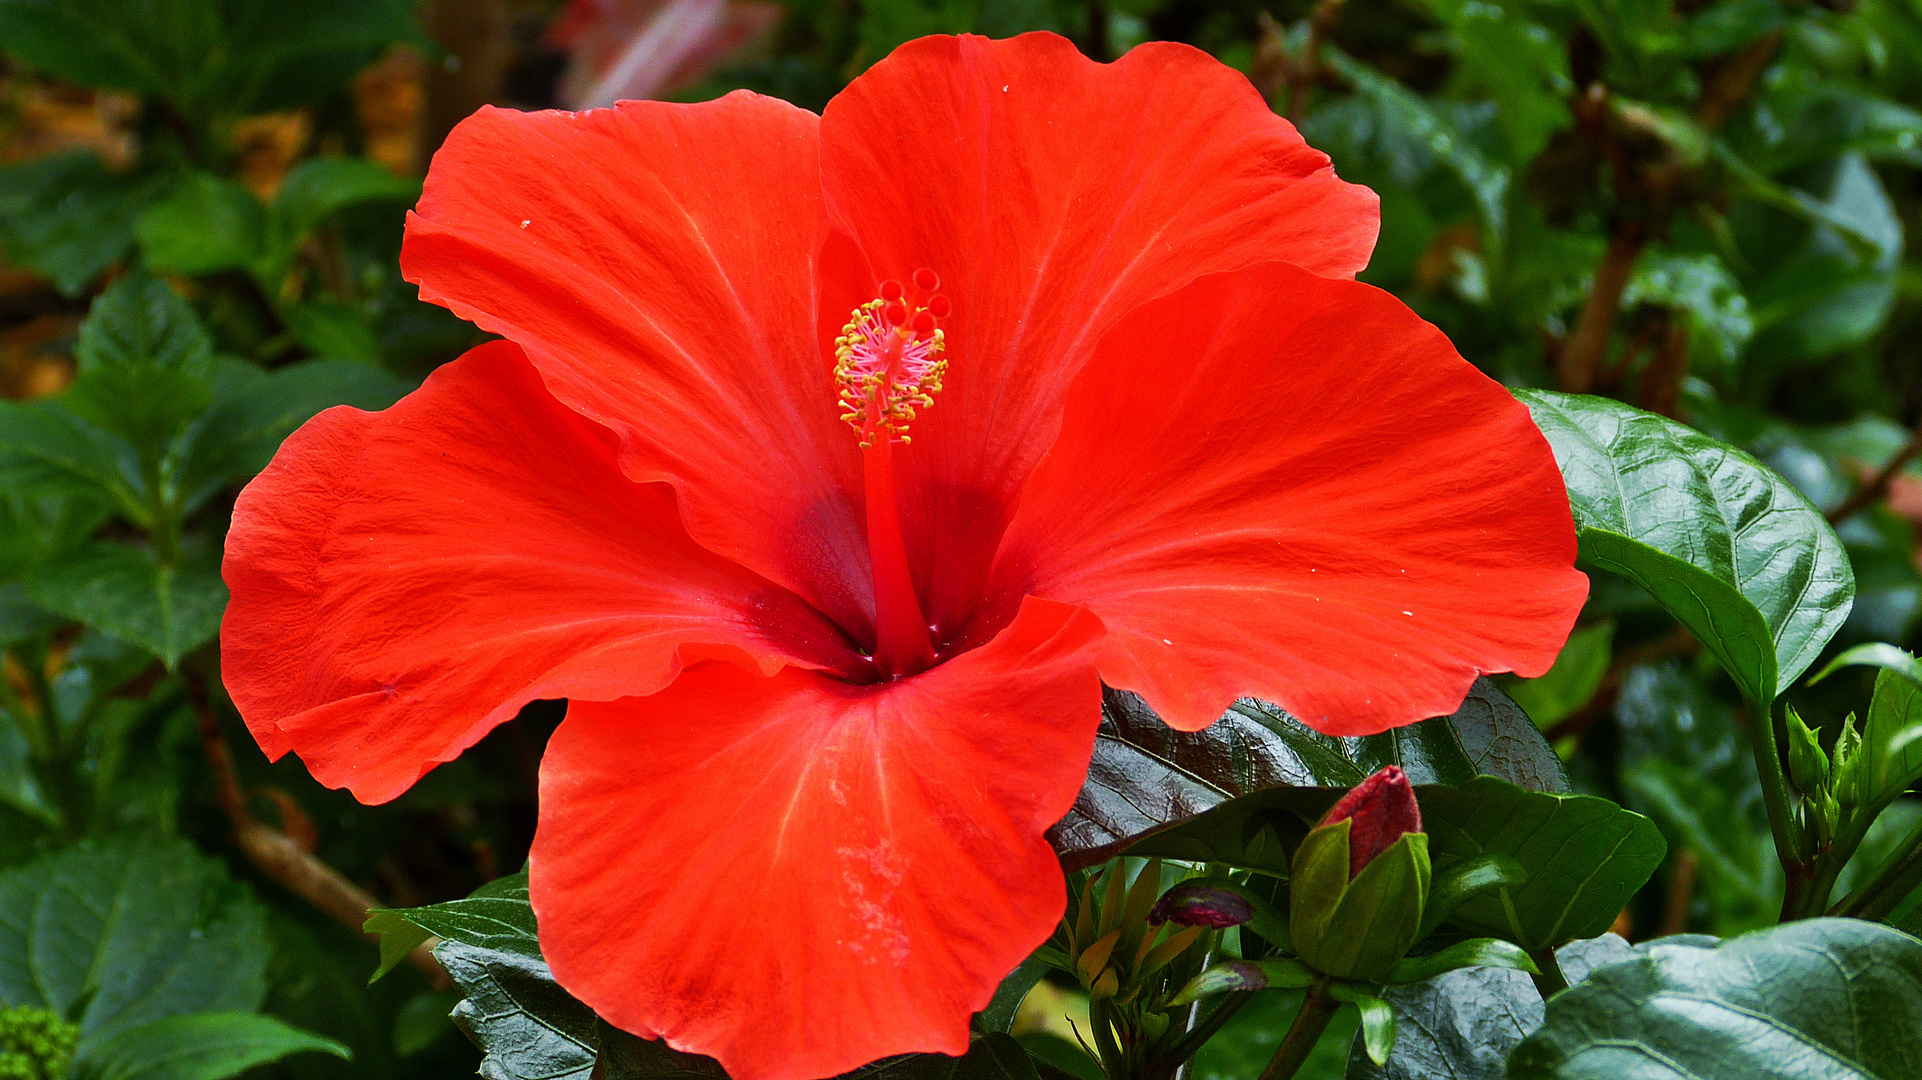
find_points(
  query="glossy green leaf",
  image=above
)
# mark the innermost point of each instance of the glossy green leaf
(1723, 543)
(528, 1027)
(1463, 1023)
(200, 1046)
(1889, 759)
(1377, 1021)
(202, 224)
(1465, 878)
(1584, 856)
(1821, 999)
(122, 932)
(496, 918)
(1147, 778)
(1475, 952)
(130, 593)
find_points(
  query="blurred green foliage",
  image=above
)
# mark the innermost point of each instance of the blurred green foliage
(1699, 207)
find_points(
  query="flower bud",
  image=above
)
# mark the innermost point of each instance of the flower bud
(1201, 905)
(1360, 880)
(1808, 765)
(1382, 809)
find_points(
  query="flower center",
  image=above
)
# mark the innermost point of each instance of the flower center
(888, 359)
(888, 363)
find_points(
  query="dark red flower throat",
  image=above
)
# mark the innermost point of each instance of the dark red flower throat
(888, 363)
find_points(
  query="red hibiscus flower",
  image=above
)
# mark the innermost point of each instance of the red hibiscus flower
(828, 467)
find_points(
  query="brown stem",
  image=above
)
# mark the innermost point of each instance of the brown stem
(1659, 389)
(1878, 486)
(1581, 355)
(1320, 24)
(283, 861)
(1681, 893)
(1317, 1008)
(1729, 86)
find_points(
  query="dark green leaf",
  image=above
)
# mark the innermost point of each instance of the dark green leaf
(118, 933)
(201, 1046)
(1146, 777)
(1890, 756)
(145, 404)
(999, 1015)
(1811, 1000)
(1726, 545)
(1462, 1024)
(529, 1028)
(128, 592)
(496, 918)
(1585, 857)
(332, 329)
(67, 216)
(1475, 952)
(140, 320)
(254, 410)
(318, 187)
(202, 225)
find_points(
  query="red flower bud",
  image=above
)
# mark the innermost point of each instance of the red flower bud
(1380, 809)
(1201, 905)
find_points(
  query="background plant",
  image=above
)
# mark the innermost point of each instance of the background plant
(1695, 209)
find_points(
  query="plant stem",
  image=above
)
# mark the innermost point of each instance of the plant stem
(1549, 979)
(1879, 896)
(1878, 486)
(1317, 1008)
(1775, 795)
(1192, 1042)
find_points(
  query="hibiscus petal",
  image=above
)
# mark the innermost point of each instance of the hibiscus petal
(656, 261)
(1283, 486)
(404, 581)
(797, 875)
(1053, 195)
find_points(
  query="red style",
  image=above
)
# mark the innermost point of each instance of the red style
(829, 466)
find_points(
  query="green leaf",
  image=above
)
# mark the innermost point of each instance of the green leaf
(46, 450)
(1463, 1023)
(1724, 544)
(140, 320)
(201, 1046)
(999, 1015)
(497, 918)
(332, 329)
(1146, 778)
(319, 187)
(1890, 756)
(1377, 1021)
(1585, 857)
(1811, 1000)
(202, 225)
(117, 933)
(1572, 681)
(202, 55)
(67, 216)
(253, 411)
(130, 593)
(1466, 878)
(1475, 952)
(525, 1024)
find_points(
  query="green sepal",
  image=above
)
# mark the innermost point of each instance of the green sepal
(1463, 880)
(1318, 877)
(1475, 952)
(1245, 975)
(1377, 918)
(1808, 765)
(1377, 1020)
